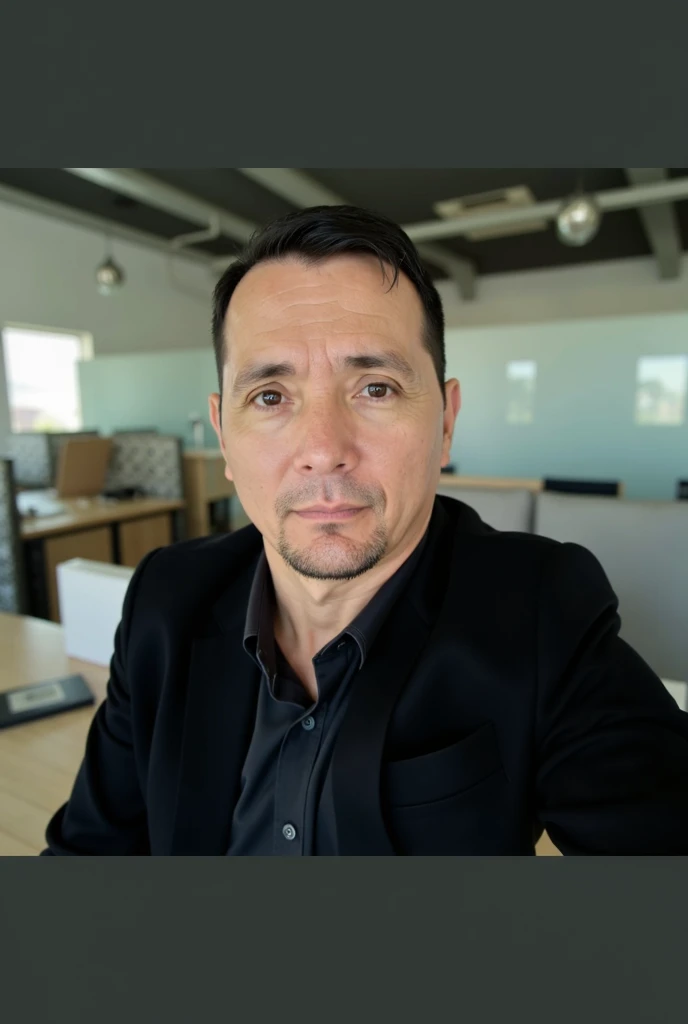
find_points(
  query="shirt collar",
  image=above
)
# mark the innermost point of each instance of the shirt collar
(259, 638)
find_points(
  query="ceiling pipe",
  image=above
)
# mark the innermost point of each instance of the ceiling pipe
(153, 192)
(608, 200)
(194, 237)
(91, 222)
(172, 200)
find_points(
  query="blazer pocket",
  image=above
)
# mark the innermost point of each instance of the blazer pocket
(446, 772)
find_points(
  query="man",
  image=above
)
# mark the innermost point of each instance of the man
(369, 669)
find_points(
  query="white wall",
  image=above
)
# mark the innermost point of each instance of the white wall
(47, 280)
(615, 288)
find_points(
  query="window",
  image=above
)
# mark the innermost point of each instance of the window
(661, 387)
(42, 377)
(521, 378)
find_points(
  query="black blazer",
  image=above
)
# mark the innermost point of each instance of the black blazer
(498, 700)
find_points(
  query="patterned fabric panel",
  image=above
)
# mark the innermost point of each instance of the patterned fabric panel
(31, 454)
(12, 580)
(152, 463)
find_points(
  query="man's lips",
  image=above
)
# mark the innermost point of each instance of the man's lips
(329, 511)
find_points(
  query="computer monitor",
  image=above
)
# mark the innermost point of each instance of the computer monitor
(606, 488)
(82, 467)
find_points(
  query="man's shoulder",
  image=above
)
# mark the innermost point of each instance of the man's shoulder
(223, 548)
(474, 534)
(192, 571)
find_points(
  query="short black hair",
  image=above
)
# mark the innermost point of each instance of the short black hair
(320, 232)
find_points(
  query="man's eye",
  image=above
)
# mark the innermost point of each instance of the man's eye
(377, 391)
(268, 399)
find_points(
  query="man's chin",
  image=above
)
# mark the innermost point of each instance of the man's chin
(321, 570)
(334, 557)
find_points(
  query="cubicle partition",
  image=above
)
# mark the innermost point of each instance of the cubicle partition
(13, 591)
(643, 548)
(504, 509)
(148, 463)
(36, 455)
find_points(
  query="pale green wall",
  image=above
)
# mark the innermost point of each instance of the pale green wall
(584, 402)
(158, 389)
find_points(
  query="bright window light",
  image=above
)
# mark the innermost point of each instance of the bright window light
(661, 388)
(42, 378)
(521, 376)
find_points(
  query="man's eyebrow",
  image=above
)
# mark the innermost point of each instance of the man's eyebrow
(383, 361)
(254, 373)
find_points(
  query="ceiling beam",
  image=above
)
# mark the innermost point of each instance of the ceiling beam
(461, 270)
(145, 188)
(293, 185)
(91, 222)
(660, 223)
(302, 190)
(608, 200)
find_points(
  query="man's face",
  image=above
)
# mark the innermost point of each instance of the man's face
(333, 428)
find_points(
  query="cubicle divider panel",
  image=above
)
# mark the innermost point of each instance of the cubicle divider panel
(643, 548)
(13, 587)
(151, 463)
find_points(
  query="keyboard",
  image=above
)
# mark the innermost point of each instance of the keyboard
(38, 503)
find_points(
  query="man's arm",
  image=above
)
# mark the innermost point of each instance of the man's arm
(612, 744)
(106, 812)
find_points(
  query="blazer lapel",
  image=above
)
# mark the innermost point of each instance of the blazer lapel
(222, 693)
(358, 753)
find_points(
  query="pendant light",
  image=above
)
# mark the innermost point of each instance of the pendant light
(109, 275)
(579, 218)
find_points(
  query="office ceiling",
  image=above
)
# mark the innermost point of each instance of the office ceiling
(406, 196)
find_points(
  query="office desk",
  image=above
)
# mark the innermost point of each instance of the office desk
(103, 531)
(204, 483)
(493, 482)
(38, 760)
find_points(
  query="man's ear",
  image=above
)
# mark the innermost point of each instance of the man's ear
(214, 410)
(452, 405)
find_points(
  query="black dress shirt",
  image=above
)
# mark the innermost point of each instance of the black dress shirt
(285, 807)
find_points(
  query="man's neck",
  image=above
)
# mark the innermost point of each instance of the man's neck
(309, 613)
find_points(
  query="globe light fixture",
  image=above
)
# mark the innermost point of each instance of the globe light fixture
(578, 220)
(109, 275)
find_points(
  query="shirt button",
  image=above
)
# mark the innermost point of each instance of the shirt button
(308, 723)
(342, 643)
(289, 832)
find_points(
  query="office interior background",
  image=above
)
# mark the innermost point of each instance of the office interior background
(566, 301)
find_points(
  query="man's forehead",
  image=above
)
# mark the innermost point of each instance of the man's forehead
(340, 287)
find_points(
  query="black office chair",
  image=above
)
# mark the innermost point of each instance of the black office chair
(606, 488)
(682, 490)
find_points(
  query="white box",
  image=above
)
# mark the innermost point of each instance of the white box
(679, 691)
(91, 595)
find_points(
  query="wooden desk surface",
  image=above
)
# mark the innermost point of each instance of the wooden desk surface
(495, 482)
(83, 513)
(39, 760)
(203, 454)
